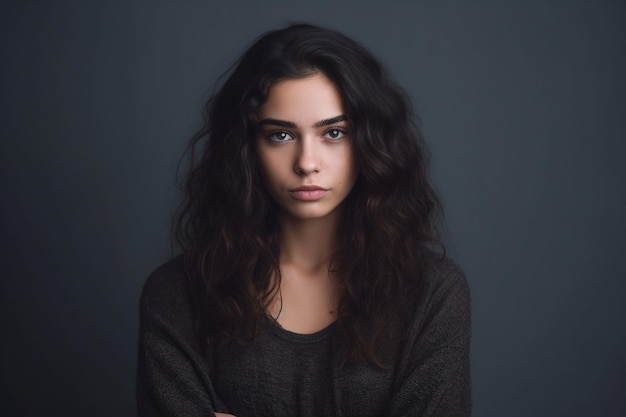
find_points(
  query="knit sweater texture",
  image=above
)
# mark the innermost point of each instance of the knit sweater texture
(288, 374)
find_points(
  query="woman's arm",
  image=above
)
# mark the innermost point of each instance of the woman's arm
(172, 372)
(434, 378)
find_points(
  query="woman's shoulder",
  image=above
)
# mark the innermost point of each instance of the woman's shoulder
(165, 292)
(445, 275)
(448, 307)
(165, 280)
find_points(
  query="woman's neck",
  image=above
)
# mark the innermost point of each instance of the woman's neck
(308, 244)
(307, 300)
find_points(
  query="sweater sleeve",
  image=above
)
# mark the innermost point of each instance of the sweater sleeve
(434, 377)
(172, 371)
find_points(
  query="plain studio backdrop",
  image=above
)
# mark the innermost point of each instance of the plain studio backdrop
(523, 105)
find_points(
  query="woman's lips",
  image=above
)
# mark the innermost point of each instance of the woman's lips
(308, 192)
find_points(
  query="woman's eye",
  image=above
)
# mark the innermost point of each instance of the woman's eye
(280, 136)
(335, 134)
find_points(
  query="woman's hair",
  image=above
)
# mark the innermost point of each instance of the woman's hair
(227, 223)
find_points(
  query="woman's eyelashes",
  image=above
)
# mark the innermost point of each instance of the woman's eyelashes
(333, 135)
(280, 136)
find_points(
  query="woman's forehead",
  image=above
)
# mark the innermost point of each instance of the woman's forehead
(302, 101)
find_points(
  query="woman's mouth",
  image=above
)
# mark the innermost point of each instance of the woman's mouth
(308, 192)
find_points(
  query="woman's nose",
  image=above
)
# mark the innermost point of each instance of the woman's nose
(307, 158)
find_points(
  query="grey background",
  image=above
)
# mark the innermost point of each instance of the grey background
(523, 105)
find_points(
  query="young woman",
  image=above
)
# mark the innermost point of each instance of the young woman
(312, 281)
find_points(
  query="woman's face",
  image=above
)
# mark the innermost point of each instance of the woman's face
(305, 149)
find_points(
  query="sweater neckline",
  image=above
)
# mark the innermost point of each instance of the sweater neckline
(288, 335)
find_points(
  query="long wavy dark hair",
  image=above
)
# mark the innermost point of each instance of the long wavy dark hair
(227, 223)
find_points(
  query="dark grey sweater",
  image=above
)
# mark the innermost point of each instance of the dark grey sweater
(288, 374)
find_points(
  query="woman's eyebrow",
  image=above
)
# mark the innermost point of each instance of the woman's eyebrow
(331, 121)
(284, 123)
(276, 122)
